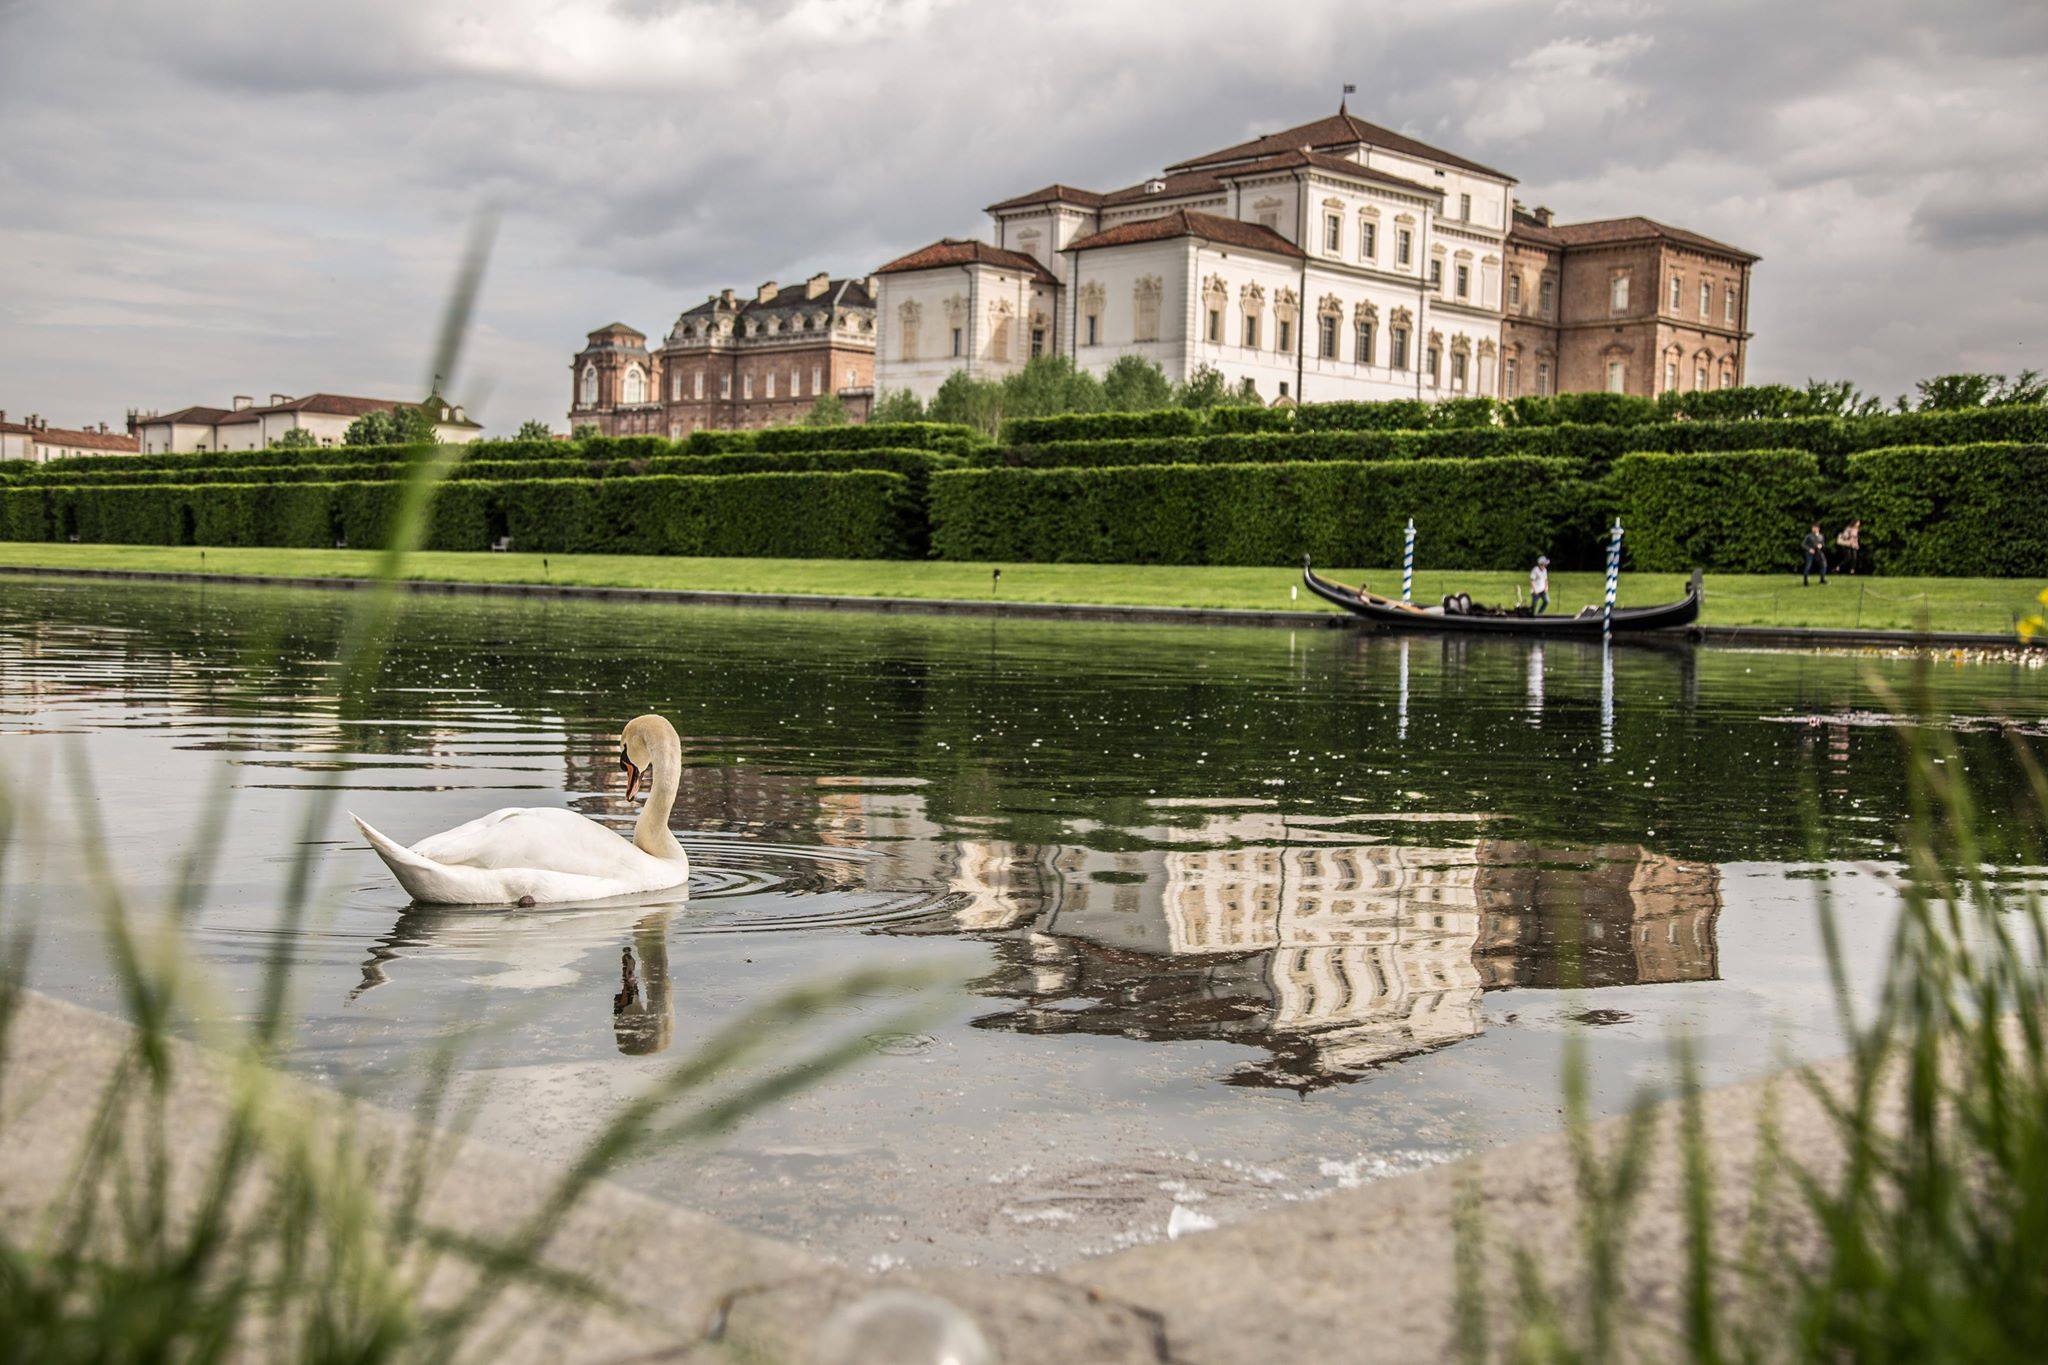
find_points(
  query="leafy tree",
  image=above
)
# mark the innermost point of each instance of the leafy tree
(977, 403)
(1049, 385)
(371, 429)
(1839, 398)
(533, 429)
(1205, 389)
(828, 411)
(295, 438)
(415, 426)
(1135, 384)
(1947, 392)
(587, 432)
(898, 405)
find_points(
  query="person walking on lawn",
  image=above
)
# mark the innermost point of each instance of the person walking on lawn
(1816, 556)
(1539, 586)
(1850, 538)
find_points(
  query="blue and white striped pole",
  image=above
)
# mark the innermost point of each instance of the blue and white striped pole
(1613, 579)
(1408, 565)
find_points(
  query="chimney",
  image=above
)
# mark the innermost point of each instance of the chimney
(243, 402)
(726, 297)
(1543, 215)
(766, 293)
(3, 414)
(872, 285)
(1155, 186)
(276, 399)
(817, 284)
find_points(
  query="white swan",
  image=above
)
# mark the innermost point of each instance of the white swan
(540, 855)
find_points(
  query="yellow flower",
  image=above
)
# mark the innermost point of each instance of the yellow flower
(2043, 598)
(2032, 626)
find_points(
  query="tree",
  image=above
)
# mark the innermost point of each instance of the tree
(589, 431)
(533, 430)
(897, 405)
(414, 426)
(1946, 392)
(371, 429)
(295, 438)
(827, 411)
(1049, 385)
(971, 402)
(1135, 384)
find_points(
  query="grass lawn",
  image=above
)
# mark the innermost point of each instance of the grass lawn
(1970, 604)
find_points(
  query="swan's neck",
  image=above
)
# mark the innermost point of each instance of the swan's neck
(651, 833)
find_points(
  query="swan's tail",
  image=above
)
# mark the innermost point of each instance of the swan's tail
(419, 876)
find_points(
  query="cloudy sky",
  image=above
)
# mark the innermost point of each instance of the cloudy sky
(210, 197)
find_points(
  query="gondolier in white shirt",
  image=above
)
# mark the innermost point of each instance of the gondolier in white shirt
(1539, 585)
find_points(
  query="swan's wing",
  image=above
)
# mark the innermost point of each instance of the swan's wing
(533, 837)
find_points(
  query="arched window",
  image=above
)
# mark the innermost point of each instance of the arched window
(589, 386)
(635, 390)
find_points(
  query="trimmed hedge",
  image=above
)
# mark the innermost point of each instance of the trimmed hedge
(861, 514)
(1737, 512)
(941, 436)
(1476, 514)
(1954, 511)
(1100, 426)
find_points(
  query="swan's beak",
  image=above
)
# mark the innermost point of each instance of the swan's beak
(633, 776)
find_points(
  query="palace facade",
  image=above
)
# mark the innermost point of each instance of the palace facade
(732, 363)
(1334, 260)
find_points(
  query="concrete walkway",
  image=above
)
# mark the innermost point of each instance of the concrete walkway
(1364, 1275)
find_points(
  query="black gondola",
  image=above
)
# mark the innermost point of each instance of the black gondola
(1385, 611)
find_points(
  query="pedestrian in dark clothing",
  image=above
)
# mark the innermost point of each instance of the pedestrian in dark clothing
(1816, 556)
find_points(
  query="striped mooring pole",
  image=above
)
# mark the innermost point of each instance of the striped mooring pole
(1613, 579)
(1408, 565)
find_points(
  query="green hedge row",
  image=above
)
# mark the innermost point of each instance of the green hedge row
(1494, 513)
(840, 515)
(1737, 512)
(943, 436)
(1832, 439)
(1954, 511)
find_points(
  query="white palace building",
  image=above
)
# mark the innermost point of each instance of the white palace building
(1335, 260)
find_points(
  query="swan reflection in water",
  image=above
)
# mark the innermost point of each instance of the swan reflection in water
(541, 950)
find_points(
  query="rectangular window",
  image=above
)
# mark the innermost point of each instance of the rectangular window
(1434, 364)
(817, 381)
(747, 387)
(1436, 274)
(675, 387)
(1464, 281)
(1699, 376)
(1398, 344)
(1037, 341)
(956, 341)
(1706, 299)
(1094, 328)
(1251, 331)
(1543, 378)
(1728, 306)
(1617, 376)
(1617, 292)
(1457, 369)
(1285, 336)
(1675, 284)
(1364, 356)
(1327, 336)
(796, 385)
(1465, 207)
(770, 378)
(1333, 233)
(1511, 378)
(1404, 245)
(1215, 325)
(697, 386)
(725, 386)
(1544, 296)
(1514, 291)
(1671, 375)
(1368, 241)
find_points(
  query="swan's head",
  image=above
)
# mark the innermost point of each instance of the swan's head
(645, 739)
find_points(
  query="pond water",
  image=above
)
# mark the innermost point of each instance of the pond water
(1226, 918)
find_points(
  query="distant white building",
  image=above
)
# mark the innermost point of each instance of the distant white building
(36, 440)
(1335, 260)
(246, 426)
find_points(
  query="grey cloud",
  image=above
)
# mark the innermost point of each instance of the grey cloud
(271, 196)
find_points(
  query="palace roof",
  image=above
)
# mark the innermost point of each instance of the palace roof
(1335, 165)
(68, 436)
(957, 251)
(194, 416)
(1188, 223)
(1051, 194)
(1612, 231)
(1170, 187)
(1341, 129)
(793, 298)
